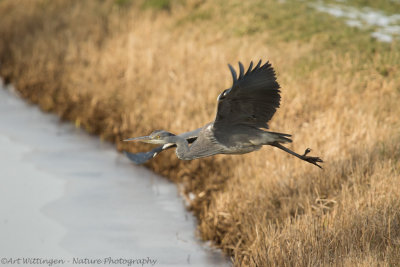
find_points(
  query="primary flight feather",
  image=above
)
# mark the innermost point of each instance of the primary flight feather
(243, 113)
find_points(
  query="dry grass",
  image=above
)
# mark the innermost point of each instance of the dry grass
(119, 69)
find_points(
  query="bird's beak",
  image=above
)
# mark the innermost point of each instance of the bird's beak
(145, 139)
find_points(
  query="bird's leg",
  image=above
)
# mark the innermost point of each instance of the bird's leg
(312, 160)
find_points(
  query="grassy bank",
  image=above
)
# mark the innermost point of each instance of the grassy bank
(124, 68)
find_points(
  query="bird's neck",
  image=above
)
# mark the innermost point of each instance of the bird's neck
(182, 147)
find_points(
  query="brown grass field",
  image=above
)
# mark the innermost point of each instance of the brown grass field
(121, 68)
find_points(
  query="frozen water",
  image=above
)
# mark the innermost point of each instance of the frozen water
(65, 195)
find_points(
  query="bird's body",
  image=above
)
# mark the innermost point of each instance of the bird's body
(240, 140)
(242, 115)
(237, 142)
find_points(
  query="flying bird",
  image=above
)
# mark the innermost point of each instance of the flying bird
(239, 127)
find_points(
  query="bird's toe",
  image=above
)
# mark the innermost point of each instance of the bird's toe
(308, 150)
(313, 160)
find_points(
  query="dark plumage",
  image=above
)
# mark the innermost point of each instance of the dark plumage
(252, 99)
(243, 112)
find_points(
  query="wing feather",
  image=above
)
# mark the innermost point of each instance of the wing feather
(241, 68)
(253, 98)
(206, 144)
(233, 72)
(250, 68)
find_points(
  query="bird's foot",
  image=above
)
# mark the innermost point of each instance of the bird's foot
(312, 160)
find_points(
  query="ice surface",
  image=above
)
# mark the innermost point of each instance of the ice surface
(65, 194)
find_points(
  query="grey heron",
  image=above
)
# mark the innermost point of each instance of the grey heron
(243, 113)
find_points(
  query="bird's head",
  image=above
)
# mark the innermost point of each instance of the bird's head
(156, 137)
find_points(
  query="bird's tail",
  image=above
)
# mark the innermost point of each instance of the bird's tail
(280, 137)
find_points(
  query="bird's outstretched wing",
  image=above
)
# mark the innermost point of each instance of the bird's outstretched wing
(252, 100)
(143, 157)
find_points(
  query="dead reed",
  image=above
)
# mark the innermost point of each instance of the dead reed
(124, 68)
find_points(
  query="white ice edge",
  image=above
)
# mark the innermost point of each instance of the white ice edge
(65, 195)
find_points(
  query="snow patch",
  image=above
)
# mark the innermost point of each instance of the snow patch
(386, 27)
